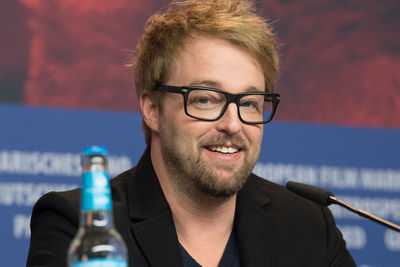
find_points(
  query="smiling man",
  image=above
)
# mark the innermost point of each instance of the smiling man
(202, 164)
(205, 73)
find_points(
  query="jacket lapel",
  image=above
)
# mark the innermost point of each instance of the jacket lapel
(254, 227)
(150, 217)
(157, 239)
(153, 229)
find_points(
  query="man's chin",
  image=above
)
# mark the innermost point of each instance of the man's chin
(223, 185)
(219, 190)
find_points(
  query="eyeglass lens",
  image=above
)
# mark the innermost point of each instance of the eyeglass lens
(209, 105)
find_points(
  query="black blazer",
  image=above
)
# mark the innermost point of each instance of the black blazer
(274, 227)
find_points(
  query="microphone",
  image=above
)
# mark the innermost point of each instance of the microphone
(325, 198)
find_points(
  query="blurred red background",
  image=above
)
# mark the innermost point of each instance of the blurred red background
(340, 59)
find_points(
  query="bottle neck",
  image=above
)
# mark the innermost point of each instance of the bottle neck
(96, 202)
(97, 218)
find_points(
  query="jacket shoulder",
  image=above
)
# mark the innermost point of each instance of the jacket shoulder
(309, 226)
(55, 221)
(68, 202)
(279, 194)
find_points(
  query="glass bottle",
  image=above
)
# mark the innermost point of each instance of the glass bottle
(97, 243)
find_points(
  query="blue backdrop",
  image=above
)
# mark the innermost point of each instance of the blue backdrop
(39, 152)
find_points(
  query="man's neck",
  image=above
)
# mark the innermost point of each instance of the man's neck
(210, 214)
(202, 231)
(203, 223)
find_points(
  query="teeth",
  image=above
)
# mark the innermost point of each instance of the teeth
(224, 149)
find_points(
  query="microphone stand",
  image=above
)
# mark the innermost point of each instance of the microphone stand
(325, 197)
(364, 214)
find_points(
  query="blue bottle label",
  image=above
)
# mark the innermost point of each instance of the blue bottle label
(101, 263)
(96, 193)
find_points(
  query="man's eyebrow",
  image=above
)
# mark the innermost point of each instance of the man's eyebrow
(254, 89)
(206, 83)
(213, 84)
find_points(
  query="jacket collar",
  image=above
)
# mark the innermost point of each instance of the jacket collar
(150, 217)
(153, 227)
(254, 226)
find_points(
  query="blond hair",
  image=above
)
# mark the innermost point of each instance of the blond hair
(232, 20)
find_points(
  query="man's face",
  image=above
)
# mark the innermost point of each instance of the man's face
(210, 157)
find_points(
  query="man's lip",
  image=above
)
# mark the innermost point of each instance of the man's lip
(223, 156)
(225, 149)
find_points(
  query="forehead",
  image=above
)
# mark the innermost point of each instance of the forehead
(204, 58)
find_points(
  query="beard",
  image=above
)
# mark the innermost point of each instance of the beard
(197, 177)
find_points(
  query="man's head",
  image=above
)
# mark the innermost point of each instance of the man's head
(208, 158)
(165, 34)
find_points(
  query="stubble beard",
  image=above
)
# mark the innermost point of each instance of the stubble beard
(196, 177)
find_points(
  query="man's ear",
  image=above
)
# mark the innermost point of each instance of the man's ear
(149, 111)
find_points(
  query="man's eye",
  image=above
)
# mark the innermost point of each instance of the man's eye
(249, 104)
(203, 100)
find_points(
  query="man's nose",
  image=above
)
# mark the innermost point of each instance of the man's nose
(230, 122)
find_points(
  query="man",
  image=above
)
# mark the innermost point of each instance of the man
(204, 71)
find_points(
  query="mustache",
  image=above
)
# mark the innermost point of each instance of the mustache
(235, 140)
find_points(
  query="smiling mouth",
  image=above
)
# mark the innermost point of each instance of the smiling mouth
(223, 149)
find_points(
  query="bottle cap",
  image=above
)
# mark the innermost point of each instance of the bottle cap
(94, 150)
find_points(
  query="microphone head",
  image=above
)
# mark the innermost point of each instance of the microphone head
(318, 195)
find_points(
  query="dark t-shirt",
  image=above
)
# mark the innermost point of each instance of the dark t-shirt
(230, 258)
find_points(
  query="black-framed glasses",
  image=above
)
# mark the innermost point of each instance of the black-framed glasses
(210, 104)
